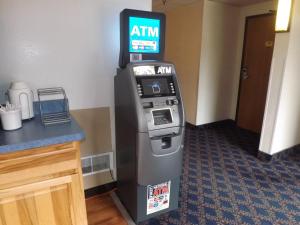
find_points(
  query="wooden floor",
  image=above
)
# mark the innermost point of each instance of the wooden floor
(101, 210)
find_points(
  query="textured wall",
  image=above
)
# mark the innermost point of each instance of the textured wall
(183, 48)
(96, 125)
(69, 43)
(217, 86)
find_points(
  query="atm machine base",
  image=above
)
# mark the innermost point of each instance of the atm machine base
(138, 211)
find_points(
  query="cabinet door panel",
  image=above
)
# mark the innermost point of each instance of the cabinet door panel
(27, 210)
(62, 207)
(44, 207)
(9, 214)
(79, 200)
(39, 205)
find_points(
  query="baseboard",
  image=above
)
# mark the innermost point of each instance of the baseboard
(264, 156)
(122, 209)
(227, 122)
(278, 156)
(100, 189)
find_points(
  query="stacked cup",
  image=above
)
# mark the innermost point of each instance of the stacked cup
(11, 117)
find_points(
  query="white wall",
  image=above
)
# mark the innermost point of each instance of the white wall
(68, 43)
(274, 91)
(216, 90)
(286, 131)
(221, 56)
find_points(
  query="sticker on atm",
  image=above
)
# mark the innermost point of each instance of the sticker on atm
(158, 197)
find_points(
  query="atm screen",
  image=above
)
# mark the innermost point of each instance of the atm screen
(144, 35)
(149, 86)
(155, 87)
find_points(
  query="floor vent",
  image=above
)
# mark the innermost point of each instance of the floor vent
(97, 163)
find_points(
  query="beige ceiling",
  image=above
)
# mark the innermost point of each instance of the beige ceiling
(172, 3)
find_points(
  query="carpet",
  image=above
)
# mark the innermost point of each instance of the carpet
(224, 183)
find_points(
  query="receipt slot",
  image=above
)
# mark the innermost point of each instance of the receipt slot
(149, 120)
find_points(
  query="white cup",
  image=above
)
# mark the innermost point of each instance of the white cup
(11, 119)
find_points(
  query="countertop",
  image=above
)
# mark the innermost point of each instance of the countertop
(34, 134)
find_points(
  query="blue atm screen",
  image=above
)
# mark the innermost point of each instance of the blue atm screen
(144, 34)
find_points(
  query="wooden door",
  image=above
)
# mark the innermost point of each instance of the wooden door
(256, 64)
(50, 202)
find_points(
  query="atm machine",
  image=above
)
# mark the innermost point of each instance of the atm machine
(149, 119)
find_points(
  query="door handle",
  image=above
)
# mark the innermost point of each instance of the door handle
(244, 73)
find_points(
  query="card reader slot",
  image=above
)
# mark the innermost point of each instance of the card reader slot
(147, 105)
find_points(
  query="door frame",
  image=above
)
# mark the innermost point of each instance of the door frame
(242, 60)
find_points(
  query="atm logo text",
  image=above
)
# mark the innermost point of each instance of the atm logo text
(164, 70)
(144, 31)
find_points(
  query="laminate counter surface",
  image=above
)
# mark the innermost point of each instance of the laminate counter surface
(34, 134)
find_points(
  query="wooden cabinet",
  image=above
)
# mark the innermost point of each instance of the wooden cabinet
(42, 187)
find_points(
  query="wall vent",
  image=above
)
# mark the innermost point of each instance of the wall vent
(97, 163)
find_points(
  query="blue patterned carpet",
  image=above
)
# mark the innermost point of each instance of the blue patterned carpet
(224, 183)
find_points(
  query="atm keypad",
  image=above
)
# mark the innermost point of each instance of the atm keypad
(162, 116)
(161, 121)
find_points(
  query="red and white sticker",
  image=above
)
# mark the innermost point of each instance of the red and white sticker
(158, 197)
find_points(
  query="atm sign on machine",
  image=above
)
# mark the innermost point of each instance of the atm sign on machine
(152, 70)
(163, 70)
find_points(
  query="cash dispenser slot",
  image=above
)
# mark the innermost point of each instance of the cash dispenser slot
(165, 143)
(165, 140)
(162, 116)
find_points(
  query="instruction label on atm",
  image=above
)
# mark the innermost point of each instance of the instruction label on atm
(158, 197)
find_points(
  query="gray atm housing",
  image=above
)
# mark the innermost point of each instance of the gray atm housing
(149, 138)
